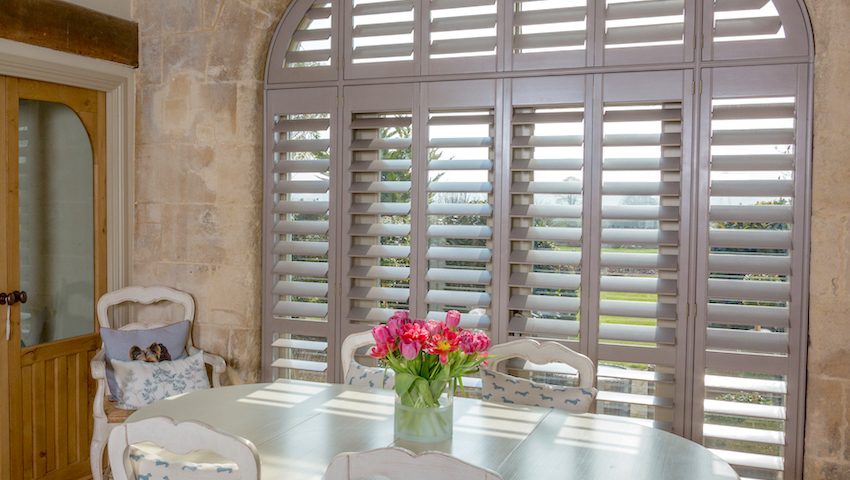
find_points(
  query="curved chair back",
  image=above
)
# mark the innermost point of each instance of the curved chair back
(145, 296)
(355, 373)
(180, 438)
(401, 464)
(503, 388)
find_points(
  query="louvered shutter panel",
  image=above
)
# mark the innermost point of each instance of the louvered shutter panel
(546, 198)
(462, 35)
(310, 52)
(736, 29)
(549, 33)
(750, 321)
(641, 247)
(381, 38)
(298, 265)
(459, 201)
(646, 31)
(380, 161)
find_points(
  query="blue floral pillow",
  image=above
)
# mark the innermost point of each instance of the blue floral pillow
(502, 388)
(373, 377)
(142, 383)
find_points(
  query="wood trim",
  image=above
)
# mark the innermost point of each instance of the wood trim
(70, 28)
(5, 441)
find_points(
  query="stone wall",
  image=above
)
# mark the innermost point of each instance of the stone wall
(828, 405)
(199, 162)
(198, 181)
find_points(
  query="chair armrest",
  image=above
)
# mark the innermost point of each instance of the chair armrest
(98, 372)
(219, 366)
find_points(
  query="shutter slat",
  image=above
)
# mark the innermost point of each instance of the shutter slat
(649, 115)
(471, 232)
(546, 257)
(629, 308)
(298, 186)
(463, 45)
(460, 164)
(548, 141)
(445, 4)
(382, 29)
(747, 340)
(301, 227)
(453, 275)
(460, 119)
(752, 112)
(318, 13)
(664, 164)
(755, 239)
(382, 7)
(460, 142)
(398, 120)
(644, 9)
(468, 22)
(752, 188)
(303, 125)
(450, 297)
(371, 315)
(380, 208)
(743, 264)
(772, 317)
(312, 35)
(563, 187)
(549, 16)
(383, 51)
(380, 251)
(381, 166)
(645, 34)
(460, 187)
(560, 281)
(307, 249)
(745, 163)
(546, 211)
(638, 260)
(772, 136)
(307, 365)
(642, 140)
(460, 209)
(737, 27)
(379, 294)
(302, 269)
(301, 289)
(550, 40)
(288, 146)
(753, 460)
(634, 236)
(381, 144)
(307, 208)
(543, 327)
(572, 235)
(383, 273)
(303, 166)
(547, 164)
(637, 333)
(380, 187)
(737, 5)
(639, 212)
(547, 117)
(723, 407)
(637, 285)
(467, 321)
(749, 290)
(308, 56)
(300, 309)
(456, 254)
(640, 188)
(544, 303)
(752, 213)
(380, 230)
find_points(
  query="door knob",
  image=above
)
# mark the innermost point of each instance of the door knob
(13, 298)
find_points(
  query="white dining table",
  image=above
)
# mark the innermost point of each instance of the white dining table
(298, 427)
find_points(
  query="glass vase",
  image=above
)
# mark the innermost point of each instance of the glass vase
(424, 424)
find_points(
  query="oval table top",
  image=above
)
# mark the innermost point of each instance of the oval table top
(299, 427)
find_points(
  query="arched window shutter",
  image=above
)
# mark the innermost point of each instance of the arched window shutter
(579, 171)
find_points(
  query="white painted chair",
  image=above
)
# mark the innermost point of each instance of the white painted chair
(232, 457)
(401, 464)
(356, 373)
(106, 415)
(503, 388)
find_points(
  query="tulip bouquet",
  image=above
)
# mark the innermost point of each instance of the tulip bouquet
(430, 359)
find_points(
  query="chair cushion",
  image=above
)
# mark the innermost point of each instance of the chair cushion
(502, 388)
(118, 343)
(374, 377)
(158, 463)
(142, 383)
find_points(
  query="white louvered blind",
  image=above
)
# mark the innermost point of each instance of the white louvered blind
(553, 31)
(311, 44)
(460, 214)
(639, 270)
(547, 159)
(638, 31)
(752, 266)
(300, 250)
(382, 31)
(462, 28)
(380, 210)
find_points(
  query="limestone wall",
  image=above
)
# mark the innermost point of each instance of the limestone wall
(198, 181)
(199, 162)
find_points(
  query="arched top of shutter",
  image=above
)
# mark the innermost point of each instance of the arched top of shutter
(328, 40)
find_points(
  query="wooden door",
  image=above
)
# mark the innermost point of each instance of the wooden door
(53, 244)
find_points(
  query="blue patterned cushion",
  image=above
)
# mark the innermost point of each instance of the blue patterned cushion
(151, 462)
(142, 383)
(374, 377)
(502, 388)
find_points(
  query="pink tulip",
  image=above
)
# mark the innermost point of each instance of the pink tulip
(410, 349)
(474, 342)
(434, 327)
(382, 335)
(453, 318)
(379, 351)
(397, 321)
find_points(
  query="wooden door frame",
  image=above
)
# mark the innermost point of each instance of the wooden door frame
(118, 83)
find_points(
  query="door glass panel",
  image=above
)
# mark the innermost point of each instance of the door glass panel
(55, 166)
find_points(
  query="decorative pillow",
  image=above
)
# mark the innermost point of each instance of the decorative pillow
(163, 343)
(374, 377)
(153, 462)
(502, 388)
(142, 383)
